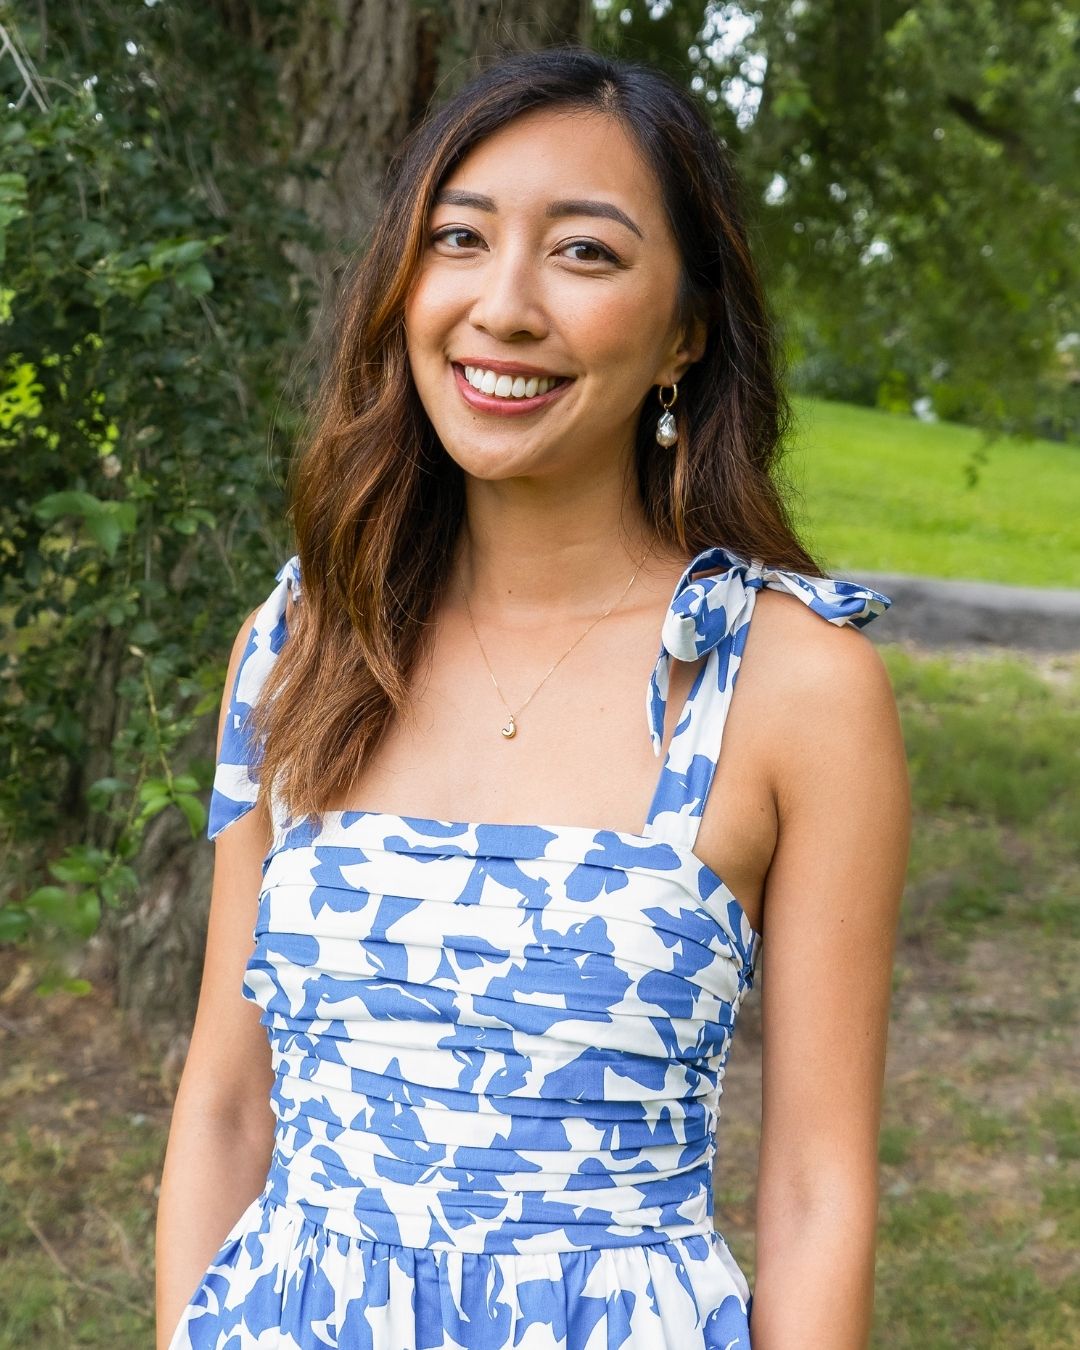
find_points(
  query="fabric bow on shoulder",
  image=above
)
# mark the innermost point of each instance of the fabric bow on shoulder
(706, 610)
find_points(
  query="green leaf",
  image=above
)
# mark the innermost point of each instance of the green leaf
(207, 704)
(85, 914)
(153, 807)
(104, 530)
(75, 984)
(19, 390)
(177, 254)
(14, 923)
(67, 984)
(13, 204)
(195, 278)
(105, 521)
(75, 869)
(194, 811)
(58, 504)
(127, 845)
(107, 787)
(145, 632)
(50, 903)
(115, 884)
(126, 514)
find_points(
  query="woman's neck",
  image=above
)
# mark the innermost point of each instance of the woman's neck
(522, 550)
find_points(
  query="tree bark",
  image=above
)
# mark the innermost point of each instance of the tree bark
(357, 75)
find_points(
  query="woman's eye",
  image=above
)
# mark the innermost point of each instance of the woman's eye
(441, 235)
(605, 254)
(451, 235)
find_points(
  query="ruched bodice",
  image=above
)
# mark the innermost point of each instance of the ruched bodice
(498, 1050)
(537, 1021)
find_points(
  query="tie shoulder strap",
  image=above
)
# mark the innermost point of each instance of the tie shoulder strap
(709, 616)
(236, 782)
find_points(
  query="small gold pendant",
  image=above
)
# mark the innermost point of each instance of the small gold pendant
(510, 729)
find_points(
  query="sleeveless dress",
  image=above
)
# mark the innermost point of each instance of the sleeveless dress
(498, 1049)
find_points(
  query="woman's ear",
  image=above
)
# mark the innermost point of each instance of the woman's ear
(691, 348)
(694, 341)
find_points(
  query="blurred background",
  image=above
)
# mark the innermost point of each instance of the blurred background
(182, 187)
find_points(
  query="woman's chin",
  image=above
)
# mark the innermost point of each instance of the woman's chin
(497, 468)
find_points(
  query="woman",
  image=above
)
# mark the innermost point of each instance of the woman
(499, 1007)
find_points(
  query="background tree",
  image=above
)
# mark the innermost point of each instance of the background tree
(168, 237)
(916, 165)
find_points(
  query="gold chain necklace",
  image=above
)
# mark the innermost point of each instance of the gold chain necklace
(510, 730)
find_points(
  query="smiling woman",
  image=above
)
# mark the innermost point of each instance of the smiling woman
(511, 261)
(463, 1089)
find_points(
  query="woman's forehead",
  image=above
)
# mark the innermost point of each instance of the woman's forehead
(547, 155)
(555, 136)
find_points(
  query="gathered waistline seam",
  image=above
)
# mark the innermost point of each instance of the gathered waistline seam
(295, 1209)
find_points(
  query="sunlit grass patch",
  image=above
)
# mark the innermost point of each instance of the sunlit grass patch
(957, 1271)
(995, 775)
(984, 1128)
(1060, 1117)
(992, 736)
(887, 492)
(1061, 1203)
(894, 1143)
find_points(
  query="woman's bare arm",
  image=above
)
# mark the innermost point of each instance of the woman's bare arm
(220, 1138)
(832, 899)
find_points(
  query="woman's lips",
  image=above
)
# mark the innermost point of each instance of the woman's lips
(507, 407)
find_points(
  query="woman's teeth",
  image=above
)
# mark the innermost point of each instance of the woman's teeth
(508, 386)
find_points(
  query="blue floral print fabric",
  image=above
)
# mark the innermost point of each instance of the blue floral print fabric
(498, 1049)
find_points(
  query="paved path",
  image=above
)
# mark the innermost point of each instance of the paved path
(942, 613)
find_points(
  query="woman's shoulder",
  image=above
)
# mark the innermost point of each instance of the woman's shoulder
(811, 649)
(820, 682)
(244, 631)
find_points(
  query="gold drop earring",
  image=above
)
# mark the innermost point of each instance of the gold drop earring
(667, 433)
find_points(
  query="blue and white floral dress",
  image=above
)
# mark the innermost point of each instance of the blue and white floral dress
(498, 1049)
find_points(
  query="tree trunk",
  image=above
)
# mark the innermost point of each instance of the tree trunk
(357, 85)
(356, 75)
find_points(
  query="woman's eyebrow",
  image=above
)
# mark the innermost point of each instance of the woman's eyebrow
(578, 206)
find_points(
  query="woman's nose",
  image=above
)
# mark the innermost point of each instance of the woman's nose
(508, 295)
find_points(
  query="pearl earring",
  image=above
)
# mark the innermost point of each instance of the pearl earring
(667, 433)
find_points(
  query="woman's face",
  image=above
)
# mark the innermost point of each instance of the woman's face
(548, 255)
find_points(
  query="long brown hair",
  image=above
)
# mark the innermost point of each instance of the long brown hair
(376, 501)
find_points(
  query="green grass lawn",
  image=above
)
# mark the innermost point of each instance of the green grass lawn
(888, 493)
